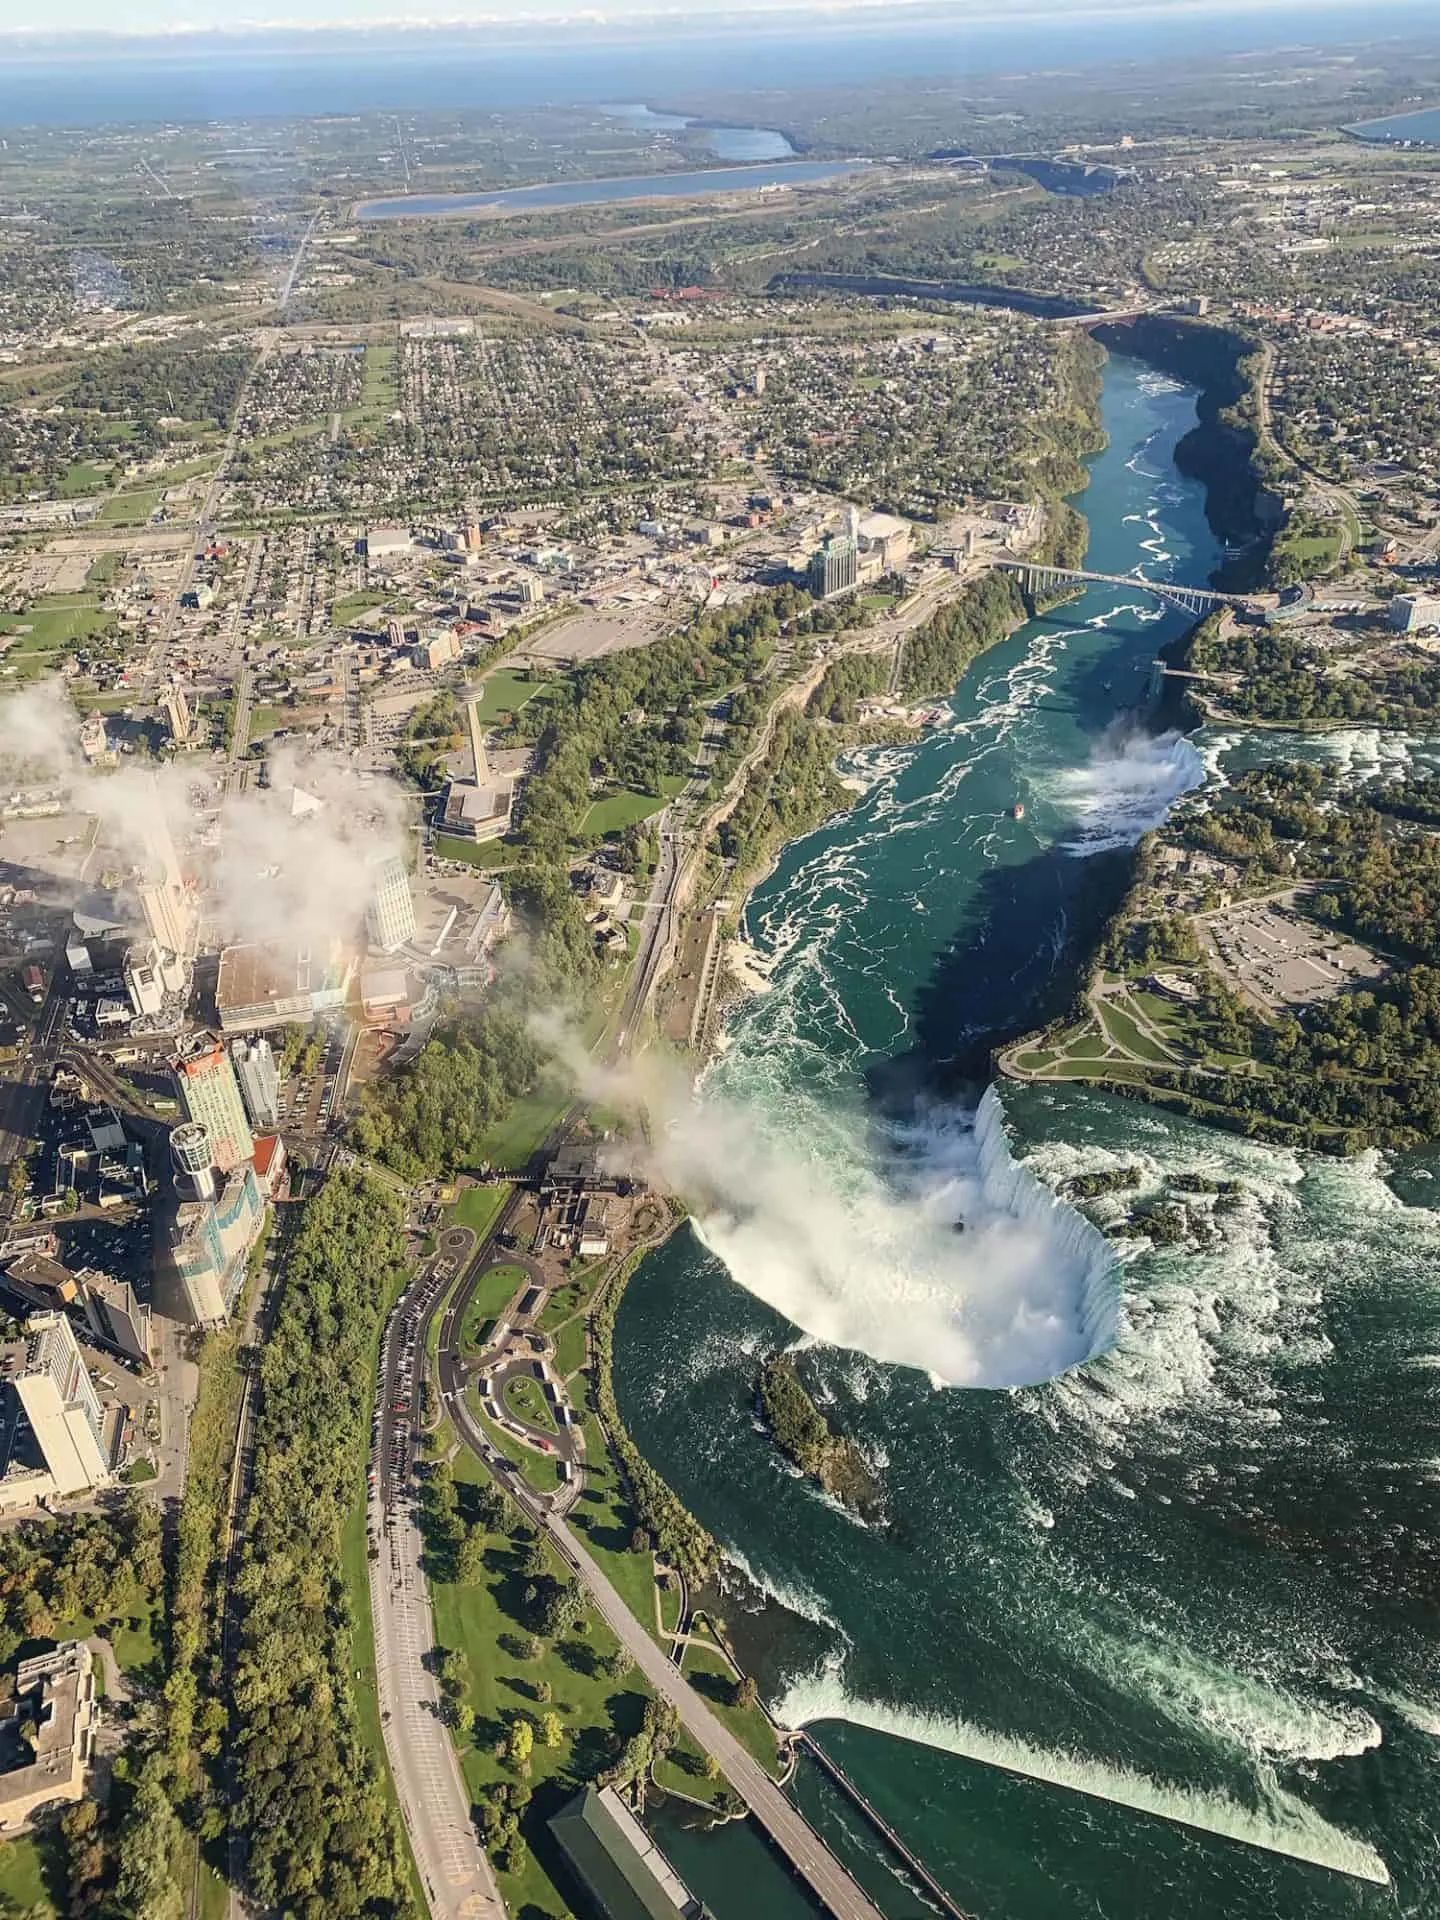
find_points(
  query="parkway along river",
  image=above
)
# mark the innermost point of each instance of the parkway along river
(1148, 1628)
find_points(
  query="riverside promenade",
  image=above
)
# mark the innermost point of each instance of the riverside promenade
(807, 1853)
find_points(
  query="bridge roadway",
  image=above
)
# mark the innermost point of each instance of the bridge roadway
(807, 1853)
(1177, 593)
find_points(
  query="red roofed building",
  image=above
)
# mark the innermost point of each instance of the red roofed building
(270, 1165)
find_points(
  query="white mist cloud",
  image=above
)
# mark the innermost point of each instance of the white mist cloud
(1127, 787)
(871, 1256)
(296, 876)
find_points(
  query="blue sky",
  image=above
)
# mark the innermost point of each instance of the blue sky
(169, 16)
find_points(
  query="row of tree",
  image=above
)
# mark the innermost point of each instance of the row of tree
(323, 1841)
(676, 1533)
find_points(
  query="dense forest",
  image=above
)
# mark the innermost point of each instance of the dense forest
(937, 654)
(847, 681)
(1285, 677)
(323, 1841)
(791, 788)
(429, 1118)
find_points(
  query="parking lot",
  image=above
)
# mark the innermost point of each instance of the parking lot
(592, 634)
(1276, 958)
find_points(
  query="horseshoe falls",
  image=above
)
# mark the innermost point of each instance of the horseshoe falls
(1148, 1624)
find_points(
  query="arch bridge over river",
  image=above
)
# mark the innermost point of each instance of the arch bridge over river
(1039, 580)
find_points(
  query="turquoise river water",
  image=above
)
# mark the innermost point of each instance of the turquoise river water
(1148, 1628)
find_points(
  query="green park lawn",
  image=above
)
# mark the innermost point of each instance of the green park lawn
(477, 1207)
(474, 853)
(570, 1348)
(79, 479)
(132, 1629)
(617, 811)
(378, 398)
(131, 509)
(566, 1301)
(487, 1624)
(605, 1520)
(1127, 1034)
(712, 1676)
(515, 1137)
(48, 628)
(525, 1398)
(494, 1291)
(32, 1874)
(683, 1771)
(506, 691)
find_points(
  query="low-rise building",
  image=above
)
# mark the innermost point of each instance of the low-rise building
(261, 986)
(1415, 612)
(48, 1738)
(621, 1869)
(478, 812)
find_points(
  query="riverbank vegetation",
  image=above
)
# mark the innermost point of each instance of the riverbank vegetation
(806, 1437)
(1301, 680)
(677, 1535)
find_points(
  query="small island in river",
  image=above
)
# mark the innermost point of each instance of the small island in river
(805, 1436)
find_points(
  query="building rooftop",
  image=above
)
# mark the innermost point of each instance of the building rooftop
(622, 1870)
(255, 976)
(55, 1695)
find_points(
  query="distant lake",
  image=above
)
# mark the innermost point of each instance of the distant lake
(594, 193)
(1423, 125)
(727, 143)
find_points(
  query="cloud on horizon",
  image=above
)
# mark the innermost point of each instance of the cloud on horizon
(141, 19)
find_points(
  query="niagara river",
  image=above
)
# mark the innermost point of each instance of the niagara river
(1147, 1625)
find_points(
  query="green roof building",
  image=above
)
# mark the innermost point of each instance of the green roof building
(617, 1863)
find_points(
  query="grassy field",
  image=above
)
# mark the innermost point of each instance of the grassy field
(487, 1625)
(525, 1398)
(131, 509)
(493, 1292)
(605, 1519)
(474, 853)
(683, 1771)
(49, 628)
(80, 479)
(32, 1874)
(570, 1348)
(513, 1140)
(505, 691)
(378, 396)
(617, 811)
(477, 1207)
(712, 1676)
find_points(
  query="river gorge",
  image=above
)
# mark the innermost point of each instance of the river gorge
(1146, 1627)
